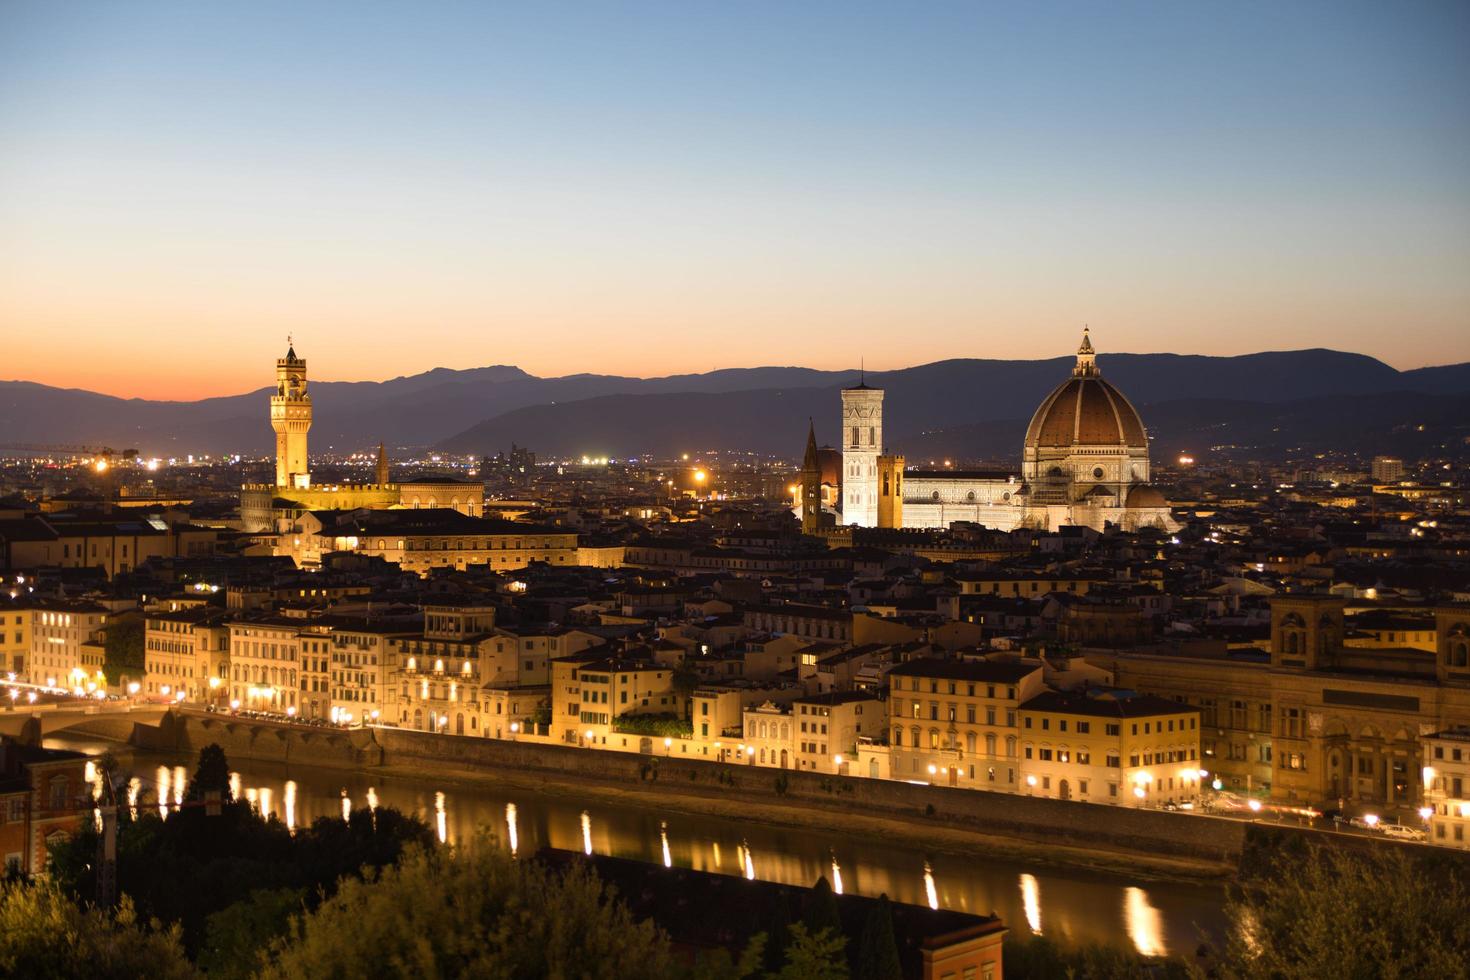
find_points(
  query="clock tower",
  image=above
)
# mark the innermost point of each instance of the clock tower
(291, 418)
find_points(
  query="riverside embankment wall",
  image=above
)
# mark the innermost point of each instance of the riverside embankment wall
(804, 794)
(998, 814)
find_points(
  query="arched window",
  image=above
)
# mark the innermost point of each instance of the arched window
(898, 736)
(1010, 746)
(970, 743)
(933, 738)
(990, 744)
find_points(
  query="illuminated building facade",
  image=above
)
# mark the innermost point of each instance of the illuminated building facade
(1085, 461)
(1446, 776)
(1314, 722)
(277, 506)
(66, 644)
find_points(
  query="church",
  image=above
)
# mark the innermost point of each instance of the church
(1084, 462)
(278, 506)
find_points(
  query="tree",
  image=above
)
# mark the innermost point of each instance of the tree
(1350, 913)
(821, 910)
(814, 956)
(44, 935)
(212, 773)
(194, 864)
(235, 936)
(123, 652)
(471, 911)
(777, 930)
(878, 950)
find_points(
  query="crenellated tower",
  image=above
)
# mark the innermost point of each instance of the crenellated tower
(291, 418)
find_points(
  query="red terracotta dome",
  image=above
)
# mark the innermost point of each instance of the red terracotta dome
(1085, 410)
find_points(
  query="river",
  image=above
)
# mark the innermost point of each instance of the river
(1069, 905)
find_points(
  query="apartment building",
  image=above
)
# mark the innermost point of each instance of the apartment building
(1446, 778)
(265, 663)
(958, 721)
(66, 644)
(1110, 746)
(186, 654)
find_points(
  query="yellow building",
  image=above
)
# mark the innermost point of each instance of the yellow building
(958, 721)
(15, 638)
(422, 540)
(186, 655)
(1314, 721)
(1110, 746)
(1447, 786)
(827, 727)
(66, 645)
(114, 546)
(265, 663)
(591, 690)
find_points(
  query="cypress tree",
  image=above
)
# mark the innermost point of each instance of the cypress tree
(821, 909)
(878, 952)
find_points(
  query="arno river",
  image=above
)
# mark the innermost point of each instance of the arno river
(1068, 905)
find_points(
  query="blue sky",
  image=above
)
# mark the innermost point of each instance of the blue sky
(656, 187)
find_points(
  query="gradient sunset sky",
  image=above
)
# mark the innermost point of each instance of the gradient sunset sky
(649, 188)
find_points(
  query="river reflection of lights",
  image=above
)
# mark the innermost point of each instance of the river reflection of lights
(930, 892)
(586, 833)
(234, 785)
(346, 807)
(164, 778)
(663, 834)
(1031, 901)
(372, 799)
(180, 780)
(747, 861)
(513, 835)
(1145, 924)
(134, 785)
(290, 805)
(715, 847)
(836, 876)
(441, 819)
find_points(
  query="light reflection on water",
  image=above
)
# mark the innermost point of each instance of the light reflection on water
(1078, 905)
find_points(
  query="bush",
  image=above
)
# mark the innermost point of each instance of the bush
(657, 726)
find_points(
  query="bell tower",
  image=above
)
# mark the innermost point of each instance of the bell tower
(862, 444)
(291, 418)
(811, 484)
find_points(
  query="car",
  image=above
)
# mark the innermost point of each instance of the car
(1400, 832)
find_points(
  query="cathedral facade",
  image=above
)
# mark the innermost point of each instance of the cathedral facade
(1084, 462)
(278, 506)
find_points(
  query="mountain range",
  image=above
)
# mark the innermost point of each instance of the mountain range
(1267, 403)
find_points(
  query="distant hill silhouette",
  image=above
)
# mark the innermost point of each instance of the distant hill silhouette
(948, 407)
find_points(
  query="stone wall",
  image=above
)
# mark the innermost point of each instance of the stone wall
(260, 740)
(1042, 821)
(1000, 814)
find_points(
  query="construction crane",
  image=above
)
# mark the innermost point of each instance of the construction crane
(102, 457)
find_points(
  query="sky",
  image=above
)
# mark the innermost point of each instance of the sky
(653, 188)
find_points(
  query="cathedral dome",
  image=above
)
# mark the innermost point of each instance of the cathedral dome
(1085, 410)
(1146, 496)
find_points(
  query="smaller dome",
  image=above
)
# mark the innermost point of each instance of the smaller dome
(1144, 495)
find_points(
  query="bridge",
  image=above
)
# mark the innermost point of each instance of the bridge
(32, 722)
